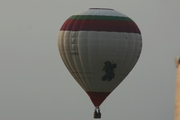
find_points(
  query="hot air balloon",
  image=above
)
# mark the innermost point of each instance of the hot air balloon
(99, 47)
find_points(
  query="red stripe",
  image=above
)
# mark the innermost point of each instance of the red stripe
(97, 97)
(100, 25)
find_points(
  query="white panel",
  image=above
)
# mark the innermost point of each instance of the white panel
(93, 50)
(104, 12)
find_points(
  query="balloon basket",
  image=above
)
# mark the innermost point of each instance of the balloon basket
(97, 113)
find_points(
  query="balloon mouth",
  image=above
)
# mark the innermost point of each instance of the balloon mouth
(97, 97)
(101, 8)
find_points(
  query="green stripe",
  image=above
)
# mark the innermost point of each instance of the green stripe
(97, 17)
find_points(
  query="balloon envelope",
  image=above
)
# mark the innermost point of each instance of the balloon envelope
(99, 47)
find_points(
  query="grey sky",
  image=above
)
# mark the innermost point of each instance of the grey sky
(35, 85)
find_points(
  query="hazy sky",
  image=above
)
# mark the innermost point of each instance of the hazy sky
(35, 85)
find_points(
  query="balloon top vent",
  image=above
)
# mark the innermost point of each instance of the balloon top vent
(101, 8)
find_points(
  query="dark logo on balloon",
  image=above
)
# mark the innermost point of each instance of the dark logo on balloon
(109, 71)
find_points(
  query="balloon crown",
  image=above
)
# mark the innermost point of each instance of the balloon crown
(102, 8)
